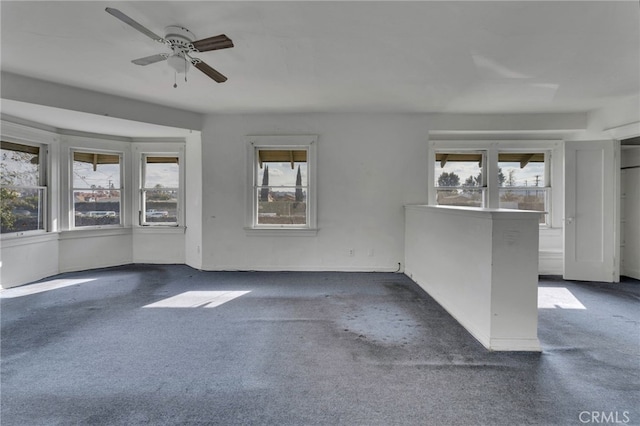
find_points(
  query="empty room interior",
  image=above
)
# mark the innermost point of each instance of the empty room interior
(319, 212)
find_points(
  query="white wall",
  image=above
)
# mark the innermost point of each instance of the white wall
(369, 166)
(481, 265)
(193, 200)
(90, 249)
(28, 259)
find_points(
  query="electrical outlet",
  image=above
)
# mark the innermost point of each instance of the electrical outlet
(351, 252)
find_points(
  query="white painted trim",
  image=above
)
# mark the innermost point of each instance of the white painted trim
(625, 131)
(150, 230)
(297, 268)
(308, 142)
(20, 133)
(9, 240)
(80, 233)
(140, 261)
(153, 147)
(84, 267)
(515, 345)
(281, 232)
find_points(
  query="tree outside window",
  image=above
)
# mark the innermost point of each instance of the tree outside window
(282, 195)
(22, 194)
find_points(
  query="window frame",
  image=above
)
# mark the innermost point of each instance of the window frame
(483, 187)
(72, 207)
(142, 164)
(289, 143)
(547, 179)
(492, 149)
(42, 187)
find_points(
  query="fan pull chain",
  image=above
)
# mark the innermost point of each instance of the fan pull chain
(175, 79)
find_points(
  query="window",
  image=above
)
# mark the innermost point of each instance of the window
(522, 177)
(96, 188)
(160, 189)
(282, 182)
(460, 179)
(22, 201)
(497, 176)
(281, 187)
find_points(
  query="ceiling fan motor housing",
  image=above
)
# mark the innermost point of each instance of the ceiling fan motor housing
(180, 38)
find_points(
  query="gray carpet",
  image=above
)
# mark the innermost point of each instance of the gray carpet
(303, 349)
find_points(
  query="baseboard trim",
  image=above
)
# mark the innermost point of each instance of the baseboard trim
(297, 268)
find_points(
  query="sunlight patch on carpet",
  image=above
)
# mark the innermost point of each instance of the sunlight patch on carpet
(40, 287)
(557, 298)
(197, 299)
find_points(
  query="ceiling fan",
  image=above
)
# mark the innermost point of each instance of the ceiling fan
(182, 43)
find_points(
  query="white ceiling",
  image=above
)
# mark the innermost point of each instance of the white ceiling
(387, 56)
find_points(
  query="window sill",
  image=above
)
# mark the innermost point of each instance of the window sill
(12, 239)
(94, 232)
(159, 229)
(281, 232)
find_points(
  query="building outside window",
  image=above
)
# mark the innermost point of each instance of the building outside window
(96, 188)
(160, 190)
(23, 187)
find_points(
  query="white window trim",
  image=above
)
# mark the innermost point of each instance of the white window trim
(48, 142)
(288, 142)
(483, 170)
(159, 149)
(43, 174)
(492, 149)
(71, 188)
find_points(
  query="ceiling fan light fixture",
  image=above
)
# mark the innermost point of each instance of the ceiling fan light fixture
(179, 63)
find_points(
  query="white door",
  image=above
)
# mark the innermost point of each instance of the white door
(630, 222)
(590, 210)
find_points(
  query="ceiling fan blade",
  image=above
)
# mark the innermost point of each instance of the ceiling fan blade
(150, 59)
(213, 43)
(215, 75)
(124, 18)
